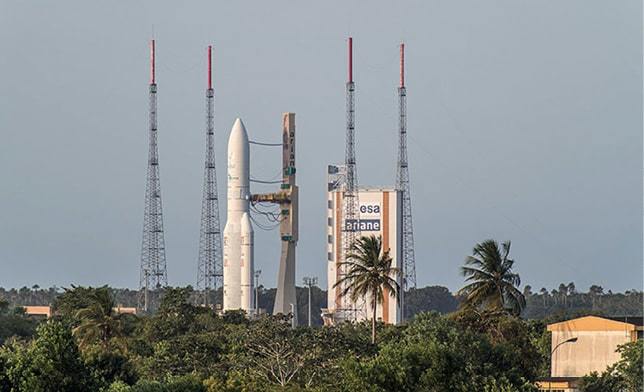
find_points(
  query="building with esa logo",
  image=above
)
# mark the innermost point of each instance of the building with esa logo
(380, 214)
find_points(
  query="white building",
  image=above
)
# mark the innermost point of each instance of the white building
(380, 215)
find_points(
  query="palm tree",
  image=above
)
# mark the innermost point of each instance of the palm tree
(369, 273)
(492, 284)
(544, 295)
(98, 322)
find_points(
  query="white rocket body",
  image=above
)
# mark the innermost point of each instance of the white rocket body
(247, 267)
(238, 233)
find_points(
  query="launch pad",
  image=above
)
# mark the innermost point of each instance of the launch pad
(239, 234)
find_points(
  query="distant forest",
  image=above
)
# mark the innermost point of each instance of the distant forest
(563, 302)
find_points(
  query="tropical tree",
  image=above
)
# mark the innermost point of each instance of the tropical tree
(97, 321)
(50, 362)
(369, 274)
(491, 282)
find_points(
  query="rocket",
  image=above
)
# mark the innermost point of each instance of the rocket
(238, 232)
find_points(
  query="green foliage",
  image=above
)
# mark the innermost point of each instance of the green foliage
(521, 343)
(51, 362)
(566, 303)
(174, 384)
(429, 299)
(176, 315)
(5, 358)
(182, 339)
(434, 354)
(183, 347)
(14, 323)
(631, 365)
(492, 284)
(270, 354)
(72, 300)
(606, 382)
(109, 366)
(96, 321)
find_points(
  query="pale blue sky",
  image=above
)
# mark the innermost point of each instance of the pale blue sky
(525, 123)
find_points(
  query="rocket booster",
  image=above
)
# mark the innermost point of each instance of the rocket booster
(246, 261)
(238, 232)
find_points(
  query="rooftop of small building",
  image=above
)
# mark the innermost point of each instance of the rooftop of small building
(598, 323)
(635, 320)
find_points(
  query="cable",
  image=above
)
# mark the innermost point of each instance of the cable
(265, 144)
(261, 226)
(274, 216)
(266, 182)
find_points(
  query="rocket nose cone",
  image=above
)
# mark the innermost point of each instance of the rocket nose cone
(239, 123)
(238, 134)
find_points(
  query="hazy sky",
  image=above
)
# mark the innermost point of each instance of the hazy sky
(525, 124)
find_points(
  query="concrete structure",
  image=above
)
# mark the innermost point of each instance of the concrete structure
(584, 345)
(238, 233)
(379, 215)
(287, 199)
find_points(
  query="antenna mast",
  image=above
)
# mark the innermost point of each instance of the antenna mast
(210, 270)
(402, 183)
(154, 274)
(350, 191)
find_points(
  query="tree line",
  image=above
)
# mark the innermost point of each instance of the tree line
(565, 301)
(483, 344)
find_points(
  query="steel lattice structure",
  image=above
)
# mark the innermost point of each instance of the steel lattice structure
(210, 269)
(153, 263)
(402, 183)
(350, 202)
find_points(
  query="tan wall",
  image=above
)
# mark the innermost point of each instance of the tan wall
(559, 386)
(38, 310)
(593, 351)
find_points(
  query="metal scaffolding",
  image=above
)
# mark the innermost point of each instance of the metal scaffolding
(153, 274)
(402, 183)
(350, 202)
(210, 267)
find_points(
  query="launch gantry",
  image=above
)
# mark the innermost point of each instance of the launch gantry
(287, 200)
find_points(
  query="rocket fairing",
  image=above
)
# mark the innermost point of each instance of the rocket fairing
(238, 232)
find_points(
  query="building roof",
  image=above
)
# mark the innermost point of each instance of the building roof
(558, 379)
(598, 323)
(636, 320)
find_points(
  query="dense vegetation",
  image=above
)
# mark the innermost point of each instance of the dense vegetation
(182, 347)
(476, 341)
(564, 302)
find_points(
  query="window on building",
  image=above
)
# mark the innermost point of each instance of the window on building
(330, 256)
(330, 221)
(330, 204)
(329, 239)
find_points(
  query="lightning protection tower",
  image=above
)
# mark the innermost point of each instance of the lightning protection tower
(350, 191)
(153, 264)
(210, 270)
(402, 183)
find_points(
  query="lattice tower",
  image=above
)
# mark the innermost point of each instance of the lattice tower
(153, 274)
(402, 183)
(210, 269)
